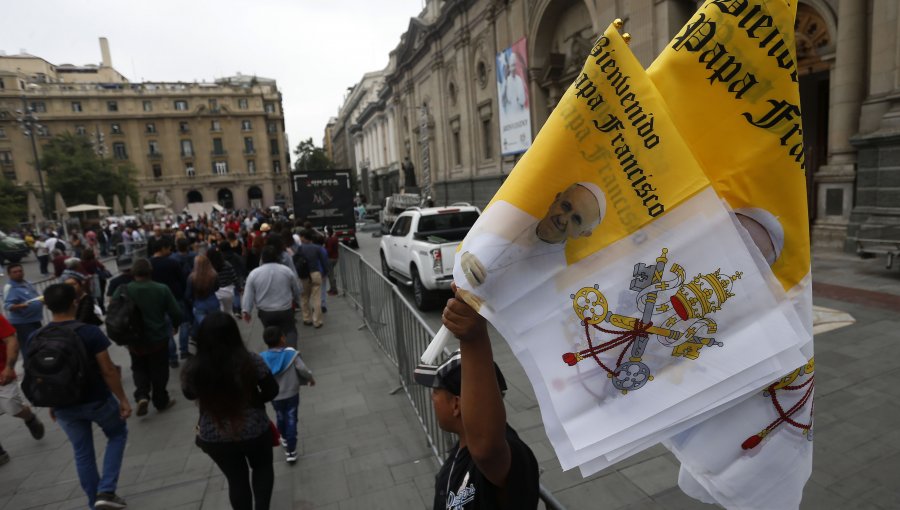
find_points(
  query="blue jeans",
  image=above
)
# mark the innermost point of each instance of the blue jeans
(183, 332)
(204, 307)
(76, 421)
(286, 419)
(236, 304)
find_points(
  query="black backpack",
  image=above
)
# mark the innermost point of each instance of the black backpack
(301, 264)
(61, 246)
(56, 366)
(124, 322)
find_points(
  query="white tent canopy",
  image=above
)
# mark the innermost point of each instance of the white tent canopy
(195, 209)
(153, 207)
(86, 208)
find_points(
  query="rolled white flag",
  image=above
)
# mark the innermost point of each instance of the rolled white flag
(436, 347)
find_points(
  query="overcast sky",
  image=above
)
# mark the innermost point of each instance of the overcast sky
(314, 48)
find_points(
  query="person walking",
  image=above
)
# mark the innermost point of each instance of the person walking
(42, 253)
(167, 270)
(316, 262)
(11, 400)
(489, 467)
(331, 247)
(20, 301)
(231, 386)
(272, 288)
(149, 358)
(102, 401)
(290, 372)
(200, 292)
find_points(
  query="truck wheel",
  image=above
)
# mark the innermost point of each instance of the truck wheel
(386, 269)
(423, 297)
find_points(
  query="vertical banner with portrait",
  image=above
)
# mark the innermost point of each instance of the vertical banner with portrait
(512, 94)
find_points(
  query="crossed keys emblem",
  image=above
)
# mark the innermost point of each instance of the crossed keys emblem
(688, 302)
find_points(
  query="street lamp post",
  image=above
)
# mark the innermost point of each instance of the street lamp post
(28, 121)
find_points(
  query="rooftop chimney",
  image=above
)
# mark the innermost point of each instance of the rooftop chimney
(104, 53)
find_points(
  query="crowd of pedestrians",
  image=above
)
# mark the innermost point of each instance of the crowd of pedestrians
(201, 274)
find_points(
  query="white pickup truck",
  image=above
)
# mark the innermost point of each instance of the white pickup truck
(419, 249)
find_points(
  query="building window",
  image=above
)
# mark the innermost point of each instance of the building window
(151, 128)
(6, 158)
(148, 106)
(487, 137)
(271, 127)
(270, 107)
(189, 171)
(457, 149)
(246, 126)
(213, 105)
(76, 106)
(181, 105)
(276, 167)
(43, 130)
(2, 85)
(112, 106)
(38, 107)
(273, 146)
(451, 93)
(153, 148)
(2, 133)
(251, 166)
(218, 148)
(220, 167)
(187, 149)
(248, 145)
(243, 104)
(80, 130)
(115, 128)
(215, 126)
(157, 171)
(184, 127)
(119, 151)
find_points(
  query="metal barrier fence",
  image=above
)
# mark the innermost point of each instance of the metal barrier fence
(402, 334)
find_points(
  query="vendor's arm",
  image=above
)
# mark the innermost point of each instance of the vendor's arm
(11, 344)
(483, 412)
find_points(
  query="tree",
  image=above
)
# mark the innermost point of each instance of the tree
(13, 202)
(76, 171)
(310, 157)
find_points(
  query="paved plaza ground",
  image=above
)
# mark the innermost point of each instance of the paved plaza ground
(362, 446)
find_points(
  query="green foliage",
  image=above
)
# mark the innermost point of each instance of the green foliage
(310, 157)
(76, 172)
(13, 204)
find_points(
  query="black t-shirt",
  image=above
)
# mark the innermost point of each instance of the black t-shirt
(459, 485)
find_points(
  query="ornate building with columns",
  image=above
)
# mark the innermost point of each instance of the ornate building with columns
(437, 100)
(222, 141)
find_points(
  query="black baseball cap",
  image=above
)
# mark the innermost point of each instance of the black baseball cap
(448, 375)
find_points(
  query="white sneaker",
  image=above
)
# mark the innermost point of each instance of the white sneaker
(284, 443)
(291, 457)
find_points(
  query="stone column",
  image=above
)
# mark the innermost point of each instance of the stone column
(876, 212)
(834, 180)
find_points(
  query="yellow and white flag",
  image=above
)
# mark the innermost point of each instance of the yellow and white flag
(730, 81)
(617, 275)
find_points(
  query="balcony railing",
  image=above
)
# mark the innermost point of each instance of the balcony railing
(154, 155)
(249, 152)
(187, 154)
(218, 153)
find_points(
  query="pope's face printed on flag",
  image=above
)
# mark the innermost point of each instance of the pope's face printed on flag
(574, 213)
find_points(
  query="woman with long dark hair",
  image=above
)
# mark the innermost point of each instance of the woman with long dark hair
(231, 386)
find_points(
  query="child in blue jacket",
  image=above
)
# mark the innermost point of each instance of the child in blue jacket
(290, 372)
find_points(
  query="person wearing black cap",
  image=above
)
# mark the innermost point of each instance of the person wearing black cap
(489, 467)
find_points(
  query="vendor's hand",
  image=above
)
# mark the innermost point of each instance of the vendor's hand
(473, 269)
(7, 376)
(124, 409)
(462, 320)
(246, 317)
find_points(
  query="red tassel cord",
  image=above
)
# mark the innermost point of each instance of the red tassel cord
(626, 337)
(784, 417)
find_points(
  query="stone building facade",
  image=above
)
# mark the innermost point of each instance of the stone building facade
(439, 93)
(222, 141)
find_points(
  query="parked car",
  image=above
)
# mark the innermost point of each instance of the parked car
(12, 249)
(420, 247)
